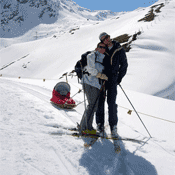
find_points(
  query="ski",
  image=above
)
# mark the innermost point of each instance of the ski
(67, 129)
(117, 148)
(72, 129)
(77, 134)
(92, 138)
(91, 142)
(107, 137)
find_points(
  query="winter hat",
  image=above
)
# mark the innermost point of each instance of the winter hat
(102, 34)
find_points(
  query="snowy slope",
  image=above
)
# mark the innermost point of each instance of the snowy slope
(19, 16)
(29, 124)
(151, 59)
(30, 144)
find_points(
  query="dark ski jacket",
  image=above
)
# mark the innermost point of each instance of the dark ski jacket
(118, 69)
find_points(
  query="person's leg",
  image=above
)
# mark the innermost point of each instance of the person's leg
(92, 95)
(100, 111)
(112, 106)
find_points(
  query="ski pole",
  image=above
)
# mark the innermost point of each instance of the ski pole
(81, 102)
(83, 85)
(83, 90)
(135, 110)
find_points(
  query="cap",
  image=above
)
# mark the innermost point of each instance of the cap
(102, 34)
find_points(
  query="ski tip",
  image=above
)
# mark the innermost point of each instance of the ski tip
(73, 129)
(86, 145)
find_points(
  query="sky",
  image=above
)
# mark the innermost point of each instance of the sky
(114, 5)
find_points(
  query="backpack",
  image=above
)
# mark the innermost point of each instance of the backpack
(81, 64)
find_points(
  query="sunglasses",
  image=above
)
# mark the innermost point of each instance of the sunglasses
(101, 47)
(105, 38)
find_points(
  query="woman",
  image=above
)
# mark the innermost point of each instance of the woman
(91, 86)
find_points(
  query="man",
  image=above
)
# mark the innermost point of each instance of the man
(92, 86)
(115, 69)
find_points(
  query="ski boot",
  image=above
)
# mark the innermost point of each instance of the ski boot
(115, 138)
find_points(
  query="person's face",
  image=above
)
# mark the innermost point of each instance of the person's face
(101, 48)
(106, 39)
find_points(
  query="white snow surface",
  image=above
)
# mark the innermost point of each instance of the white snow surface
(29, 124)
(30, 144)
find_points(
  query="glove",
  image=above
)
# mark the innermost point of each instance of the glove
(102, 76)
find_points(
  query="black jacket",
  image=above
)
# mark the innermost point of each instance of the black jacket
(117, 70)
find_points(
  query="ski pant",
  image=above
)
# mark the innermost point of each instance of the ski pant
(92, 93)
(112, 106)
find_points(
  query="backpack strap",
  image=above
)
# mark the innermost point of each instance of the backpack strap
(120, 48)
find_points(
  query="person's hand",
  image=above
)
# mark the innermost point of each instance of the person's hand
(102, 76)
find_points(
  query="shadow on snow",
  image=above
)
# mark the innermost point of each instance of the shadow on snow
(101, 160)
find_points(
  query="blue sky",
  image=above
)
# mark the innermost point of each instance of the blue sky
(114, 5)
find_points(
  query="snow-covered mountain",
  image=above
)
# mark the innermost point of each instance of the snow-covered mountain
(33, 133)
(151, 58)
(19, 16)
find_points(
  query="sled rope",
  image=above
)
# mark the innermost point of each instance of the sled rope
(129, 112)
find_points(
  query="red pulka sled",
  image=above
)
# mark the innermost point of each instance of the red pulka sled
(61, 96)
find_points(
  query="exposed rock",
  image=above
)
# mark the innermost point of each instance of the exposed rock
(125, 40)
(150, 16)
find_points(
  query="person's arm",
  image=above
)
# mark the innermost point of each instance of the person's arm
(123, 65)
(91, 64)
(91, 67)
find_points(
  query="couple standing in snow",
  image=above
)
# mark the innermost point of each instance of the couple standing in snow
(107, 65)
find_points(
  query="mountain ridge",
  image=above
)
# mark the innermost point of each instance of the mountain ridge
(19, 16)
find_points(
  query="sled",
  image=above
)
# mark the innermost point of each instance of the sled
(61, 96)
(65, 106)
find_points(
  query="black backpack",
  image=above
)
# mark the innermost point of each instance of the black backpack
(81, 64)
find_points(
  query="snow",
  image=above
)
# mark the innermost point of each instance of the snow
(29, 124)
